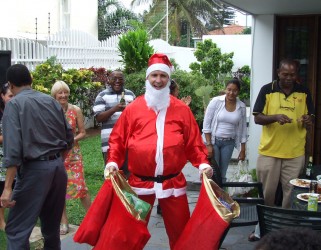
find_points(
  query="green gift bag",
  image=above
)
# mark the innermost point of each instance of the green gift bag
(139, 205)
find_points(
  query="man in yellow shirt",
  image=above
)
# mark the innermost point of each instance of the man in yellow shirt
(284, 108)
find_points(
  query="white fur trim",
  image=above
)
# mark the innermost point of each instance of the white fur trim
(159, 157)
(202, 167)
(158, 66)
(160, 194)
(112, 164)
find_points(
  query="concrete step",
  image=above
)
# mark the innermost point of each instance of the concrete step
(66, 240)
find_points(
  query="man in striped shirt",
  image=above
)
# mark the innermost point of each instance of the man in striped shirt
(107, 108)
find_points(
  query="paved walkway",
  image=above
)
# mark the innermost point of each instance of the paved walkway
(235, 240)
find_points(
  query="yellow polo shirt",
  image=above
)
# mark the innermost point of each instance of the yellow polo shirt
(288, 140)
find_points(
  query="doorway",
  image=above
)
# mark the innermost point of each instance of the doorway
(299, 37)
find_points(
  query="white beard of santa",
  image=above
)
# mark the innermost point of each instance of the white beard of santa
(157, 99)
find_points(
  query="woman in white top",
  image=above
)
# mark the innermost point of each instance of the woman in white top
(224, 126)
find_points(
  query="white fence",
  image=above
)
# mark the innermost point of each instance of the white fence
(73, 49)
(27, 52)
(76, 49)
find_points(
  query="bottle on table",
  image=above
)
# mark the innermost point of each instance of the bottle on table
(122, 99)
(309, 169)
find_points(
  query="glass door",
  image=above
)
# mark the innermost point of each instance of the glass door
(299, 38)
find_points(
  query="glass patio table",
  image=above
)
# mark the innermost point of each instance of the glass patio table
(298, 204)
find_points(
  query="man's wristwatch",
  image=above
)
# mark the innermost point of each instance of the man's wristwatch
(208, 144)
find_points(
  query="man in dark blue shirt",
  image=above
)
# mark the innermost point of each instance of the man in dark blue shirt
(35, 136)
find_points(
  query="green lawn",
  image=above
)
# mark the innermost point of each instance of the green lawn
(94, 166)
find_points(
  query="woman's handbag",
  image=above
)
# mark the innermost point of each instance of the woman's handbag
(242, 174)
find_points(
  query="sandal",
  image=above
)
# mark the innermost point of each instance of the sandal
(64, 229)
(252, 237)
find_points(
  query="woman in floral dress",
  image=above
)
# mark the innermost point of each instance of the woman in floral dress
(5, 96)
(76, 186)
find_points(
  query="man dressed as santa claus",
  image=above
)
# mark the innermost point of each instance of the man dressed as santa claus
(160, 134)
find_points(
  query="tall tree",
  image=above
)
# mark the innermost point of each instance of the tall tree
(193, 12)
(113, 18)
(224, 16)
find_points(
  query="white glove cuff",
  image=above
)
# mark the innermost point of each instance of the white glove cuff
(112, 164)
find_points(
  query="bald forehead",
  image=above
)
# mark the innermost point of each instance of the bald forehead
(288, 64)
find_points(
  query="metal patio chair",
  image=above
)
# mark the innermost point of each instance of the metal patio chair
(275, 218)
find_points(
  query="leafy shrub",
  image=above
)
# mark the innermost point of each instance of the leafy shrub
(136, 82)
(100, 75)
(212, 63)
(244, 74)
(82, 88)
(135, 50)
(188, 84)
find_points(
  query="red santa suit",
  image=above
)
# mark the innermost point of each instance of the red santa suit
(159, 144)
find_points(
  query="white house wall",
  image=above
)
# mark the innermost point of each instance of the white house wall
(239, 44)
(184, 57)
(84, 16)
(19, 16)
(262, 51)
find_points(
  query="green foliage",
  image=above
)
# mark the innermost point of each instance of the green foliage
(184, 17)
(211, 62)
(100, 75)
(184, 41)
(224, 16)
(204, 92)
(136, 82)
(94, 168)
(188, 84)
(247, 31)
(244, 74)
(135, 50)
(113, 19)
(214, 66)
(82, 89)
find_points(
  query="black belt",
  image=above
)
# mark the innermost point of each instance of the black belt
(47, 157)
(158, 178)
(223, 139)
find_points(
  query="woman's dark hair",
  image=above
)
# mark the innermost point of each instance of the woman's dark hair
(3, 90)
(235, 81)
(172, 86)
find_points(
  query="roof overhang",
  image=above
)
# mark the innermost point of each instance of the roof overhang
(277, 7)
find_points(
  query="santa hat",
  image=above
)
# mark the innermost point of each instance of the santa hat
(159, 62)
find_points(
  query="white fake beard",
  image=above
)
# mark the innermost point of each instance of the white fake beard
(157, 99)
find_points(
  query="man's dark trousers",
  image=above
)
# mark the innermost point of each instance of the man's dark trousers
(40, 191)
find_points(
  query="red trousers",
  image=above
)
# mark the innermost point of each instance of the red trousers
(175, 212)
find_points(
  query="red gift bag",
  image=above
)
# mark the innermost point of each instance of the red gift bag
(121, 226)
(122, 231)
(89, 230)
(213, 212)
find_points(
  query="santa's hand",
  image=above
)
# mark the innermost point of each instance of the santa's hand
(109, 169)
(208, 171)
